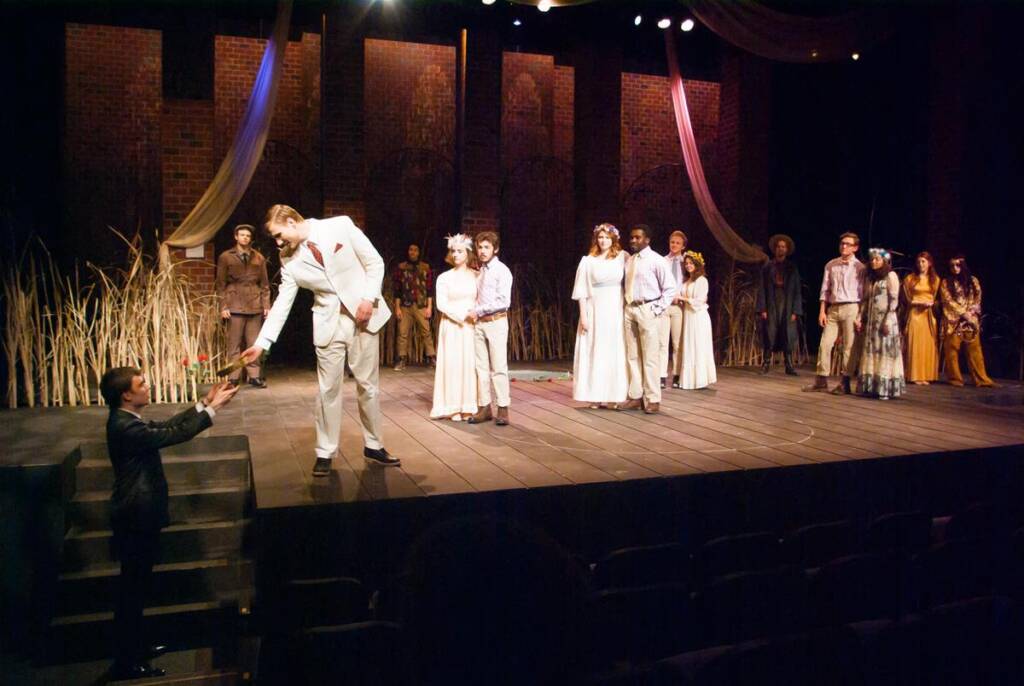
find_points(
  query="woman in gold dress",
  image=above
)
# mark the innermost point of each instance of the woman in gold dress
(961, 328)
(920, 290)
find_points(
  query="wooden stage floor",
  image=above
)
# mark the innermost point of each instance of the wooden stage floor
(744, 422)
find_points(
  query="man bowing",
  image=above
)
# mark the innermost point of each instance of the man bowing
(335, 260)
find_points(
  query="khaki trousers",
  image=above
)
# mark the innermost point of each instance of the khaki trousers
(643, 352)
(363, 353)
(491, 345)
(413, 315)
(840, 317)
(951, 346)
(242, 332)
(671, 328)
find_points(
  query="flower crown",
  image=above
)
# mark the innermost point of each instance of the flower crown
(695, 256)
(610, 228)
(459, 240)
(881, 252)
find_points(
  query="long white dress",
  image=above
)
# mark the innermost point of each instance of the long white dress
(698, 347)
(599, 363)
(455, 375)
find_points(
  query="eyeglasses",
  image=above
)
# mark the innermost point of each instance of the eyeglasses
(846, 244)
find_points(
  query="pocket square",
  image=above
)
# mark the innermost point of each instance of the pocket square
(337, 247)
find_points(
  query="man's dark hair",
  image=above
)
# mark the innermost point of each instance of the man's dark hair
(115, 382)
(489, 236)
(642, 227)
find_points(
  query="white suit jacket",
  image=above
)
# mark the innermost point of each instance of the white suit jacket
(353, 271)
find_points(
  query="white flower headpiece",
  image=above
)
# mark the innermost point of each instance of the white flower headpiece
(610, 228)
(459, 240)
(881, 252)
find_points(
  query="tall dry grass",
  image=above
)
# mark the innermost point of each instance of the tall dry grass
(62, 331)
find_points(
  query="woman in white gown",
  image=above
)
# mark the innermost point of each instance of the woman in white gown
(698, 348)
(455, 298)
(599, 364)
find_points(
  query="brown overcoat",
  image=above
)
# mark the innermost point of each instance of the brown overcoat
(242, 285)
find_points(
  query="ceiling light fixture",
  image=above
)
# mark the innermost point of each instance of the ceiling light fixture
(489, 2)
(516, 22)
(664, 23)
(855, 56)
(638, 19)
(544, 5)
(687, 25)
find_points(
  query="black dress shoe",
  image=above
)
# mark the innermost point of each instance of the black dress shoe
(322, 467)
(380, 456)
(258, 383)
(139, 671)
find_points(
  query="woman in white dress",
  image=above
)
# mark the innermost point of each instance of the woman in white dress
(599, 364)
(698, 348)
(455, 298)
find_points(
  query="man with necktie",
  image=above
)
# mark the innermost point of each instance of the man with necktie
(649, 291)
(335, 260)
(672, 320)
(244, 292)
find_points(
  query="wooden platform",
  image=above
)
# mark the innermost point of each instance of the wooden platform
(744, 422)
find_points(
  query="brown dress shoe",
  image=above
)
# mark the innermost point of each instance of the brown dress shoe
(652, 408)
(502, 419)
(820, 385)
(843, 387)
(632, 404)
(482, 415)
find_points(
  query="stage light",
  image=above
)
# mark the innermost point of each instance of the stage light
(638, 19)
(855, 56)
(489, 2)
(664, 23)
(687, 25)
(516, 22)
(814, 54)
(544, 5)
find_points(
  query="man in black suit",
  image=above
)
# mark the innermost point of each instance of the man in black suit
(139, 499)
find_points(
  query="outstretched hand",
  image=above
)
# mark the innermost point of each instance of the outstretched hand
(220, 395)
(252, 354)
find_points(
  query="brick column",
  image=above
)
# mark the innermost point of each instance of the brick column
(743, 187)
(598, 115)
(344, 172)
(481, 188)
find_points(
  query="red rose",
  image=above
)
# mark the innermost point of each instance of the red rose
(203, 357)
(184, 363)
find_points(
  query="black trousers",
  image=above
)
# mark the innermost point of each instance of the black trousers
(138, 552)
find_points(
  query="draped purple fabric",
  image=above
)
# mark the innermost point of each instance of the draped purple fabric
(232, 178)
(726, 236)
(790, 38)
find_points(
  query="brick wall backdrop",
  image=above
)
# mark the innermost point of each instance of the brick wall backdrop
(290, 169)
(527, 107)
(188, 165)
(565, 78)
(111, 160)
(409, 137)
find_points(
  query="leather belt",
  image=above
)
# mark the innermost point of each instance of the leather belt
(644, 302)
(490, 317)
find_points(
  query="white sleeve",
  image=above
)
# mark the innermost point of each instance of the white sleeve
(279, 312)
(582, 290)
(444, 304)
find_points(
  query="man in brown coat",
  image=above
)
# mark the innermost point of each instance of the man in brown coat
(244, 292)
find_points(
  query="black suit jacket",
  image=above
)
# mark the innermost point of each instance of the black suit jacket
(139, 498)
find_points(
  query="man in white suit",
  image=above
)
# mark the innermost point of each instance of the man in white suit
(335, 260)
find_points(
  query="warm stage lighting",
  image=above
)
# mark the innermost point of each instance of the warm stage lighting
(855, 56)
(637, 19)
(489, 2)
(664, 23)
(687, 25)
(544, 5)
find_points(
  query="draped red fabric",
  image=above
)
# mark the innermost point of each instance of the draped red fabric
(726, 236)
(790, 38)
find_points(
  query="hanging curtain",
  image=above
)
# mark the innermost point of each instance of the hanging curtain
(229, 184)
(726, 236)
(790, 38)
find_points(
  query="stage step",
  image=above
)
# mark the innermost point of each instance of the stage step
(198, 667)
(90, 511)
(182, 471)
(84, 549)
(176, 583)
(76, 638)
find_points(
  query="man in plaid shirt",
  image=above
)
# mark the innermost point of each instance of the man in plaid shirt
(413, 285)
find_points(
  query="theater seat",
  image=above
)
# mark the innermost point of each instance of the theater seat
(360, 654)
(643, 566)
(739, 553)
(858, 587)
(813, 545)
(903, 532)
(641, 624)
(747, 605)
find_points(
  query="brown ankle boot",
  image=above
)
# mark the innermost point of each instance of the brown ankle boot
(502, 419)
(482, 415)
(820, 385)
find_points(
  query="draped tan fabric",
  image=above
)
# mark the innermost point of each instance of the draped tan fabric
(726, 236)
(791, 38)
(232, 178)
